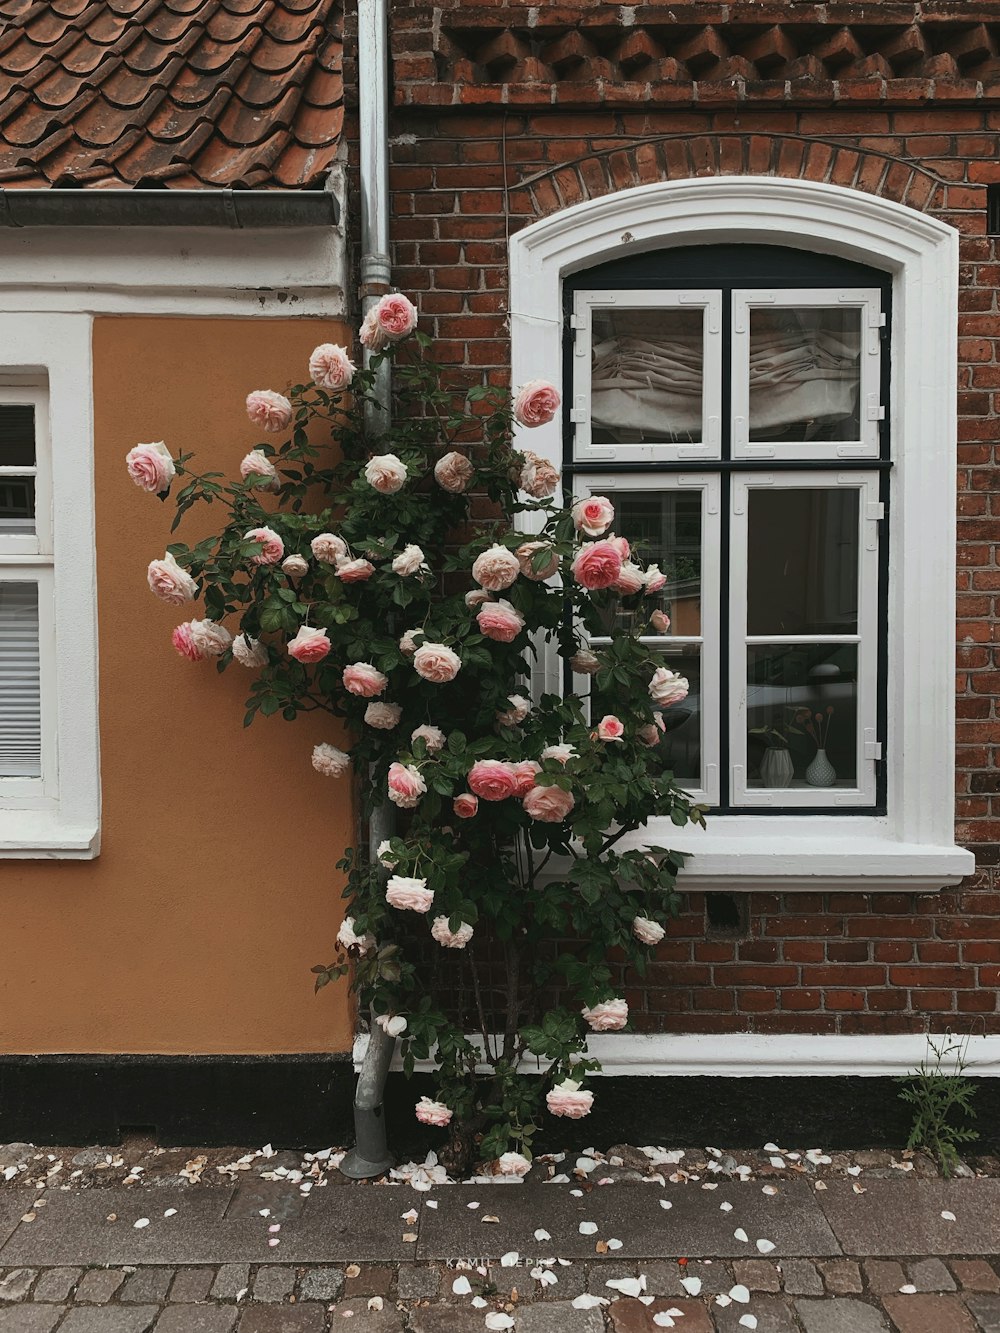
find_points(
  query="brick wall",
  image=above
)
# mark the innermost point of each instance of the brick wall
(505, 114)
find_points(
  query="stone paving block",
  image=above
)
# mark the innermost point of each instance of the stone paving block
(773, 1315)
(230, 1280)
(197, 1319)
(414, 1283)
(273, 1283)
(757, 1274)
(663, 1278)
(55, 1284)
(904, 1217)
(326, 1284)
(99, 1285)
(283, 1202)
(373, 1280)
(841, 1315)
(885, 1277)
(300, 1319)
(842, 1277)
(801, 1277)
(714, 1276)
(16, 1283)
(30, 1318)
(109, 1319)
(558, 1317)
(570, 1282)
(985, 1306)
(363, 1320)
(436, 1319)
(147, 1286)
(12, 1208)
(930, 1275)
(929, 1314)
(599, 1275)
(192, 1284)
(631, 1316)
(972, 1274)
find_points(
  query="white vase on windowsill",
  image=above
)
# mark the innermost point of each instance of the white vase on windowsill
(821, 773)
(776, 767)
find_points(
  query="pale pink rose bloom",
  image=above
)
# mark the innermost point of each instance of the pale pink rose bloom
(513, 716)
(170, 582)
(620, 544)
(309, 645)
(198, 639)
(328, 547)
(268, 410)
(354, 571)
(476, 597)
(383, 716)
(406, 786)
(585, 663)
(525, 558)
(525, 773)
(629, 581)
(492, 779)
(249, 652)
(391, 319)
(331, 368)
(660, 621)
(496, 568)
(364, 680)
(569, 1099)
(407, 894)
(648, 735)
(453, 472)
(538, 477)
(433, 737)
(500, 621)
(393, 1025)
(653, 580)
(295, 566)
(548, 805)
(330, 761)
(667, 687)
(257, 469)
(408, 561)
(382, 852)
(597, 565)
(437, 663)
(513, 1164)
(610, 728)
(536, 403)
(272, 548)
(608, 1016)
(593, 515)
(647, 931)
(466, 805)
(408, 643)
(349, 939)
(433, 1113)
(151, 467)
(562, 754)
(450, 939)
(386, 473)
(370, 335)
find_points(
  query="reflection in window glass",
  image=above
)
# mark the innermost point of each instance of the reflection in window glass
(17, 450)
(805, 376)
(802, 561)
(802, 705)
(680, 747)
(646, 376)
(20, 690)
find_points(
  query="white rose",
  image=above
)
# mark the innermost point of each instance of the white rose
(409, 561)
(386, 473)
(249, 652)
(383, 716)
(433, 737)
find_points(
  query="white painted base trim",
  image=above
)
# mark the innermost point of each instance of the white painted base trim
(750, 1055)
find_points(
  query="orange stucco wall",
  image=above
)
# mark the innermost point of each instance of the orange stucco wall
(215, 890)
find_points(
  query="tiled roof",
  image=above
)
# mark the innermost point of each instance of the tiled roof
(179, 93)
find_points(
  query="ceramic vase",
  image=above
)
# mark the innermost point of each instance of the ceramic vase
(821, 773)
(776, 767)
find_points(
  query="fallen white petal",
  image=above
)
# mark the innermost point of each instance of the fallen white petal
(479, 1303)
(769, 1189)
(432, 1203)
(748, 1320)
(472, 1205)
(577, 1194)
(854, 1170)
(587, 1302)
(614, 1244)
(908, 1289)
(726, 1207)
(541, 1234)
(740, 1234)
(499, 1321)
(462, 1286)
(588, 1228)
(375, 1303)
(665, 1203)
(740, 1293)
(777, 1162)
(510, 1259)
(692, 1285)
(241, 1293)
(771, 1147)
(171, 1212)
(948, 1216)
(627, 1286)
(723, 1301)
(663, 1320)
(765, 1246)
(142, 1222)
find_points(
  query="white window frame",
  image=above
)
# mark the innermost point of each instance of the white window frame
(912, 846)
(871, 409)
(584, 305)
(47, 357)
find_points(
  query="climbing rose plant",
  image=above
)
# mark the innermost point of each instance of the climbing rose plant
(359, 578)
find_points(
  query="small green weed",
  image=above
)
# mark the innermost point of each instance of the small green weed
(939, 1090)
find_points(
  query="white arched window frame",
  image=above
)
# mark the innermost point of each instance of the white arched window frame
(910, 847)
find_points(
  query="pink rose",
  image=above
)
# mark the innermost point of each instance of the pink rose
(500, 621)
(513, 716)
(309, 645)
(526, 555)
(476, 597)
(198, 639)
(259, 472)
(493, 779)
(329, 548)
(151, 467)
(660, 621)
(383, 716)
(585, 663)
(249, 652)
(513, 1164)
(597, 565)
(170, 582)
(668, 687)
(408, 641)
(453, 472)
(496, 568)
(648, 735)
(610, 728)
(354, 571)
(294, 566)
(538, 477)
(433, 737)
(562, 754)
(408, 895)
(349, 939)
(391, 319)
(386, 473)
(451, 939)
(331, 368)
(593, 515)
(629, 581)
(569, 1099)
(406, 786)
(536, 403)
(525, 773)
(466, 805)
(647, 931)
(436, 662)
(362, 679)
(608, 1016)
(548, 805)
(653, 580)
(620, 544)
(270, 411)
(409, 561)
(433, 1113)
(330, 761)
(272, 548)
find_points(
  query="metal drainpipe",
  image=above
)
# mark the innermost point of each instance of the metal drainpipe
(370, 1155)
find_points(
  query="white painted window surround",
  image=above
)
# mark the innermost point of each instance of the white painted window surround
(911, 847)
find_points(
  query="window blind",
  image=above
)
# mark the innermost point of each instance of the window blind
(20, 684)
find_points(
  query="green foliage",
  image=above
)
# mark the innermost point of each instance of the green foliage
(939, 1091)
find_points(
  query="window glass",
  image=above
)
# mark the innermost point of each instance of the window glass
(805, 374)
(17, 450)
(20, 688)
(647, 376)
(680, 747)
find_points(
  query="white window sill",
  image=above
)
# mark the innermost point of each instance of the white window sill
(31, 835)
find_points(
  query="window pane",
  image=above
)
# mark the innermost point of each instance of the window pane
(802, 561)
(664, 528)
(17, 435)
(805, 375)
(17, 505)
(802, 700)
(680, 746)
(646, 376)
(20, 692)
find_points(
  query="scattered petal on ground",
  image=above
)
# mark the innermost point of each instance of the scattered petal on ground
(509, 1260)
(948, 1216)
(614, 1244)
(748, 1320)
(462, 1286)
(587, 1302)
(692, 1285)
(740, 1234)
(627, 1286)
(908, 1289)
(740, 1293)
(665, 1203)
(588, 1228)
(765, 1246)
(726, 1207)
(142, 1222)
(541, 1234)
(499, 1321)
(663, 1320)
(769, 1189)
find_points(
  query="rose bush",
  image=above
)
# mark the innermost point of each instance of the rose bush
(353, 577)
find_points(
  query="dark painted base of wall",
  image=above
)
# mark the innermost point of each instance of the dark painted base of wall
(306, 1102)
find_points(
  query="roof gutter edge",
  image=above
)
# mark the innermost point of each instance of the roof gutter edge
(233, 209)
